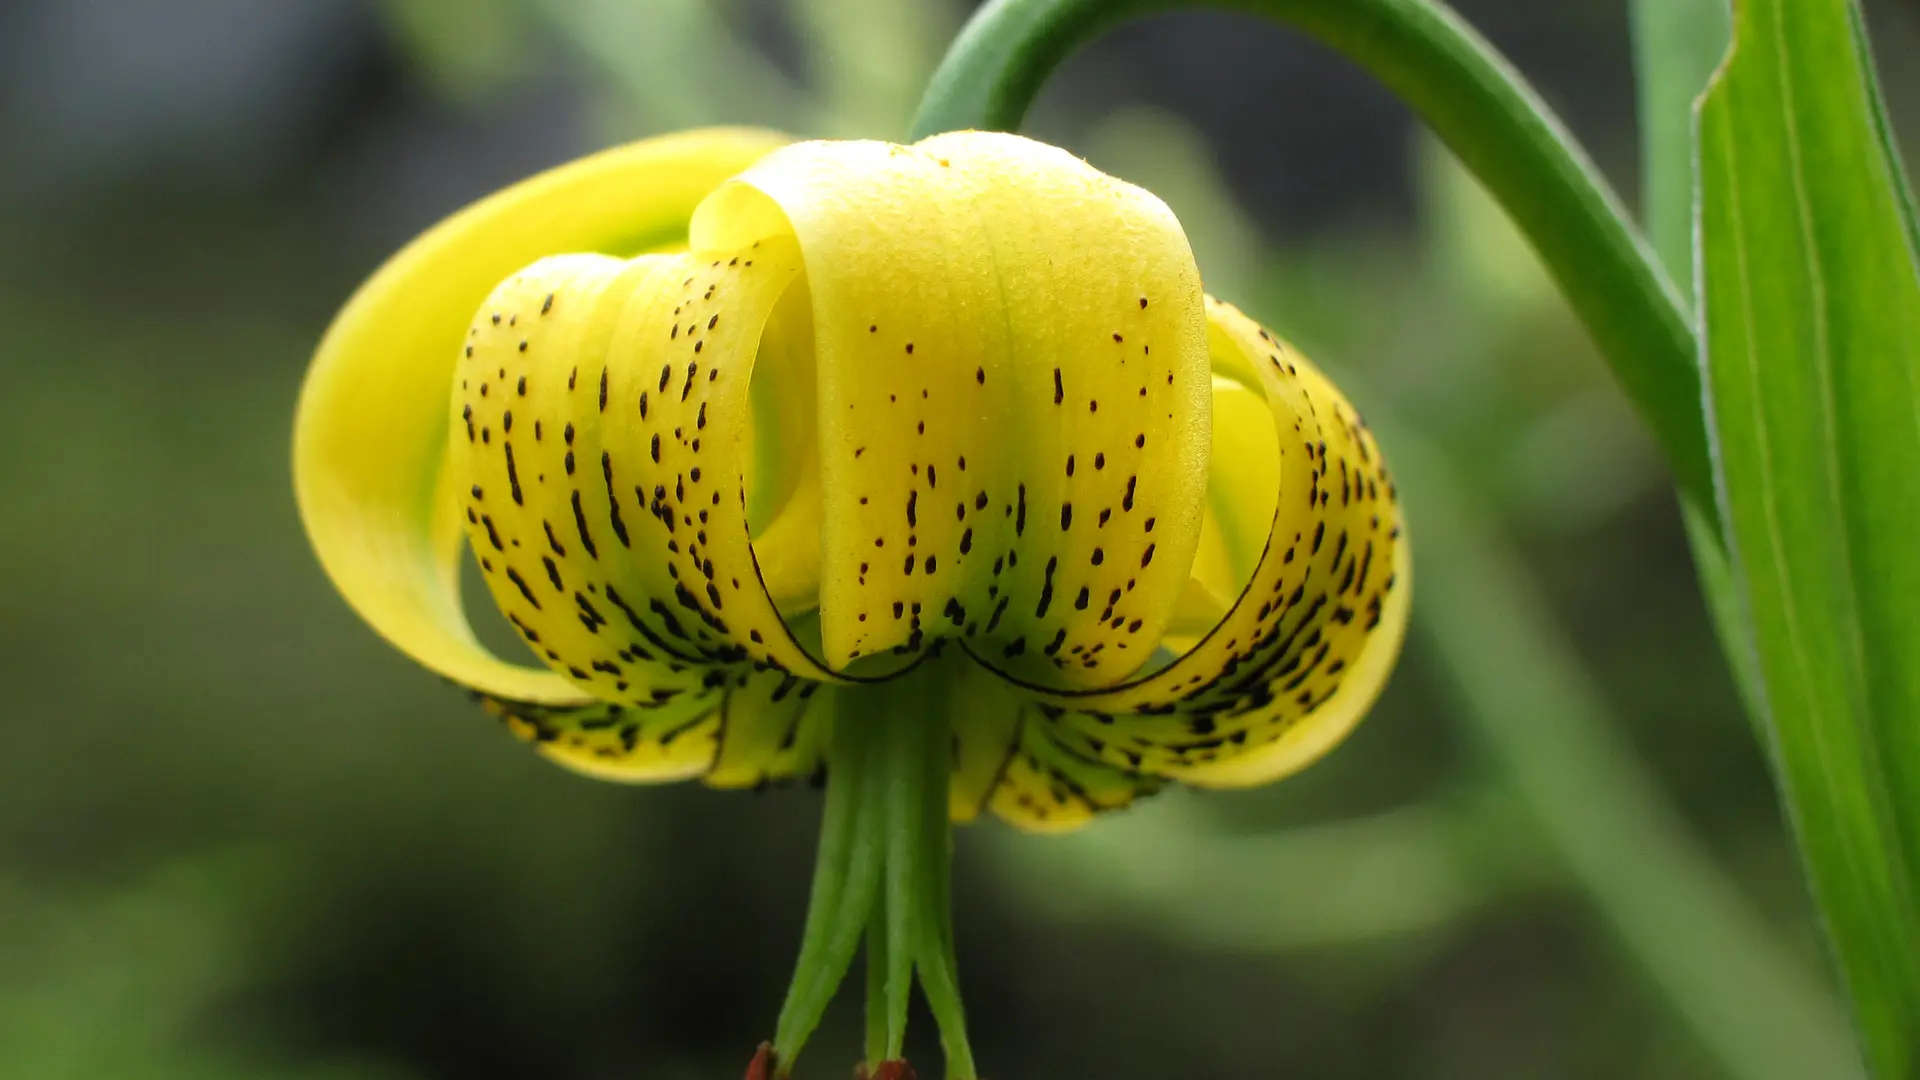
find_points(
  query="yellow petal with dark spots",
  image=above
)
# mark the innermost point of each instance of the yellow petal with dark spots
(879, 396)
(603, 413)
(676, 740)
(773, 727)
(1013, 397)
(759, 729)
(370, 435)
(1056, 780)
(1319, 618)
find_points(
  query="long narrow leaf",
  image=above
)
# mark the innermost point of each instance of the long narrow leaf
(1811, 300)
(1883, 126)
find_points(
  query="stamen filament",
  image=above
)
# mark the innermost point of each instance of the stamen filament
(878, 1035)
(884, 870)
(846, 879)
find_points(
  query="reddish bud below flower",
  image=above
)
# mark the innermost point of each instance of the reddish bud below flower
(886, 1070)
(761, 1067)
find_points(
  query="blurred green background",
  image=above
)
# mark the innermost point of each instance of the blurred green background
(239, 836)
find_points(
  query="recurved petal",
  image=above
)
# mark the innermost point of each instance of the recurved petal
(1319, 613)
(772, 727)
(371, 432)
(989, 715)
(757, 728)
(1009, 756)
(614, 411)
(1013, 396)
(1055, 779)
(1243, 481)
(677, 739)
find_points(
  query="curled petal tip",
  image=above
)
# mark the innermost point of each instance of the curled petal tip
(370, 431)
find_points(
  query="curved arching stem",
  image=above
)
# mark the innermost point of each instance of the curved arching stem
(1475, 102)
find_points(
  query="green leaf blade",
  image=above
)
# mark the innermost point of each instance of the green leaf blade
(1812, 312)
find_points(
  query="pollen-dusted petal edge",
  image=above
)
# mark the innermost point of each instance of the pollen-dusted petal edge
(884, 399)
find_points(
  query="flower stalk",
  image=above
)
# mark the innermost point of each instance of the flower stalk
(882, 873)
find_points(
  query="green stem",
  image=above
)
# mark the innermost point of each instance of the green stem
(882, 871)
(1475, 101)
(846, 876)
(907, 735)
(927, 878)
(1676, 45)
(919, 858)
(878, 964)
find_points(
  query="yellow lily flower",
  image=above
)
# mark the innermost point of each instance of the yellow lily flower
(734, 426)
